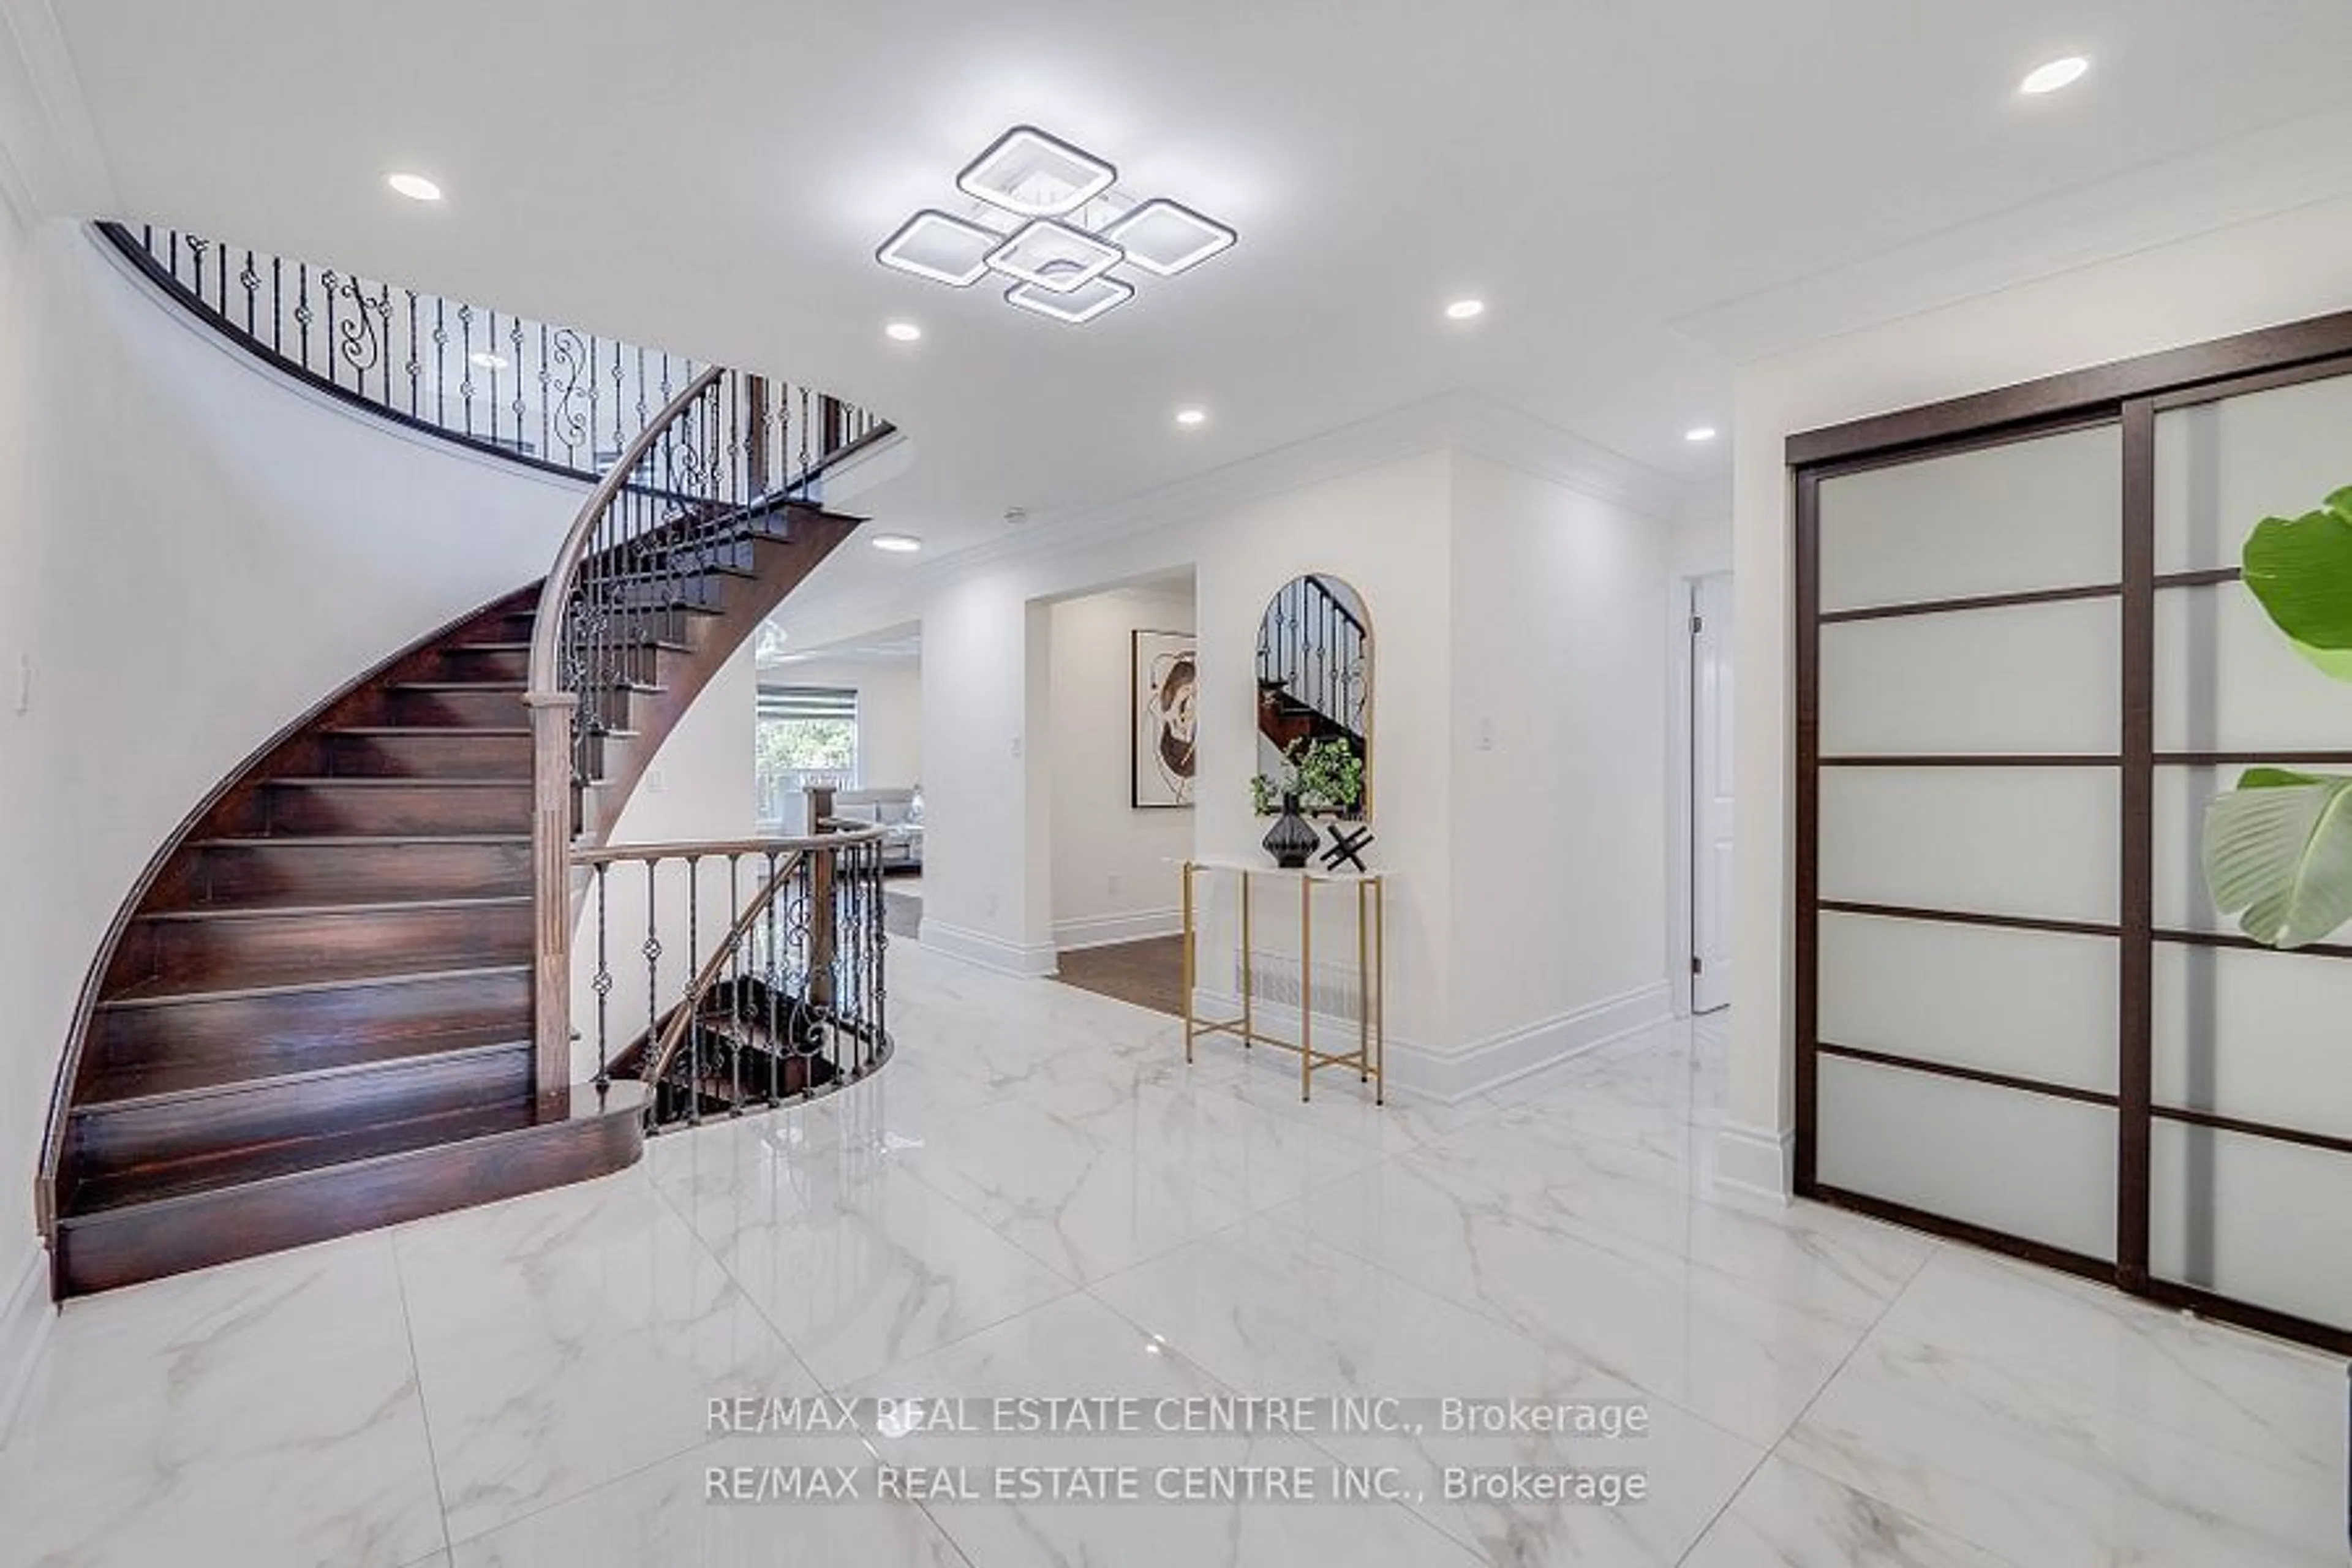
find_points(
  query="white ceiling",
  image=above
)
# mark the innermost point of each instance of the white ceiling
(1640, 191)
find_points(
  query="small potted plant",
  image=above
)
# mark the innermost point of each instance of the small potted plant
(1323, 775)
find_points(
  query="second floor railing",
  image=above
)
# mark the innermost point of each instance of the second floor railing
(541, 393)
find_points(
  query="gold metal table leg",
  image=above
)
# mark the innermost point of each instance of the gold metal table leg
(1364, 990)
(1306, 987)
(1249, 1018)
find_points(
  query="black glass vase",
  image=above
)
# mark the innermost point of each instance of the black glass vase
(1292, 838)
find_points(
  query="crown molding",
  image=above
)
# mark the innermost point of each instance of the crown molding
(1461, 421)
(52, 160)
(2277, 169)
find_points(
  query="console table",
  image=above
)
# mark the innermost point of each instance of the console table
(1370, 892)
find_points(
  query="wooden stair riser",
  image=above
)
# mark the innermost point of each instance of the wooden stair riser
(272, 1033)
(469, 661)
(495, 710)
(216, 948)
(110, 1140)
(418, 806)
(326, 870)
(427, 753)
(124, 1246)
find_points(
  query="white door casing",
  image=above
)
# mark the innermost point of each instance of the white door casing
(1711, 764)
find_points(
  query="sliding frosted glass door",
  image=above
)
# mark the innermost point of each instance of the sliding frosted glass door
(1966, 658)
(2250, 1163)
(2026, 665)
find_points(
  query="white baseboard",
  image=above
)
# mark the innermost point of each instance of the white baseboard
(1108, 931)
(987, 951)
(1449, 1076)
(1499, 1059)
(1755, 1161)
(25, 1314)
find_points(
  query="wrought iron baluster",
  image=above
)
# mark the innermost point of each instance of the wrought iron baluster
(603, 985)
(652, 950)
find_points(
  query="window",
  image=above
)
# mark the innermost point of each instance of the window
(807, 737)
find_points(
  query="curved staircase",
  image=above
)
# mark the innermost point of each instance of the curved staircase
(316, 1012)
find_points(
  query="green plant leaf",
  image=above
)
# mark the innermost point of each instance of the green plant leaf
(2301, 571)
(2278, 855)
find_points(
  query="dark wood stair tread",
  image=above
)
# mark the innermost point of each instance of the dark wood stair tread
(196, 1078)
(252, 910)
(244, 1168)
(314, 840)
(429, 730)
(405, 781)
(313, 975)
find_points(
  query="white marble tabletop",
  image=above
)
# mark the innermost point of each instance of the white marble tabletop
(1302, 873)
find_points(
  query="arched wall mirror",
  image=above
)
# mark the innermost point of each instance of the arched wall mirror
(1314, 686)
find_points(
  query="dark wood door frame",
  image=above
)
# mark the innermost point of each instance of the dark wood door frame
(2127, 395)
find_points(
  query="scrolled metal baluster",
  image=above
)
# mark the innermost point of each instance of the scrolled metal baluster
(652, 951)
(603, 986)
(303, 312)
(693, 962)
(251, 280)
(735, 985)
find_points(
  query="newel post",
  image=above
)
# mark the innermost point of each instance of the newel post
(552, 714)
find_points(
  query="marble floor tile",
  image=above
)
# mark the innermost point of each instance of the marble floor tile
(1840, 1264)
(858, 1281)
(1787, 1517)
(568, 1338)
(1080, 1203)
(1077, 1346)
(260, 1412)
(2027, 1469)
(1744, 1359)
(1266, 1310)
(1232, 1140)
(675, 1514)
(2265, 1399)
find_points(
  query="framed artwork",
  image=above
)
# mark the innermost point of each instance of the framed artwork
(1161, 725)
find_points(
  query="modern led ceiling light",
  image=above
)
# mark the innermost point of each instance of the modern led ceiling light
(942, 248)
(1046, 216)
(1166, 238)
(1024, 171)
(1076, 306)
(1055, 257)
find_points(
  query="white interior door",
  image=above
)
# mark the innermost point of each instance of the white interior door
(1711, 668)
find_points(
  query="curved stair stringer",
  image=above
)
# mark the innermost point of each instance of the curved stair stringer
(311, 1015)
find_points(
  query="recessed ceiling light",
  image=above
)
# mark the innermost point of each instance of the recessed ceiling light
(896, 544)
(415, 187)
(1699, 432)
(902, 331)
(482, 358)
(1191, 417)
(2056, 74)
(1466, 310)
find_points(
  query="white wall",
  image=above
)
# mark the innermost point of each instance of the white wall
(1561, 788)
(1486, 576)
(2232, 280)
(1114, 879)
(195, 555)
(889, 711)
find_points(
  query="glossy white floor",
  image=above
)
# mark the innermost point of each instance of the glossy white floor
(1038, 1198)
